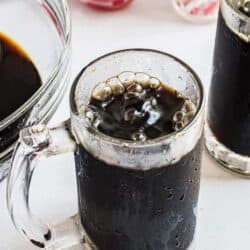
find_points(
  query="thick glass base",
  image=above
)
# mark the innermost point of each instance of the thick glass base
(230, 160)
(87, 247)
(70, 235)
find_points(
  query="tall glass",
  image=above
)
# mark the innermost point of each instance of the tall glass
(228, 120)
(131, 195)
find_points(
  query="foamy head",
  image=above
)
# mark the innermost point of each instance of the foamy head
(133, 104)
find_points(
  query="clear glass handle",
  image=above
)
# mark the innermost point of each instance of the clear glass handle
(34, 143)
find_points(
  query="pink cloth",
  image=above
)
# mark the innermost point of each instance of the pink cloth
(107, 4)
(198, 7)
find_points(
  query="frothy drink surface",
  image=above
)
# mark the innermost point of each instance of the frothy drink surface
(138, 109)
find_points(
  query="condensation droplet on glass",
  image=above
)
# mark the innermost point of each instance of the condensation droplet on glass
(170, 196)
(182, 197)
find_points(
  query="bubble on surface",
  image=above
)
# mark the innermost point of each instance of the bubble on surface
(135, 88)
(127, 78)
(184, 116)
(154, 83)
(125, 101)
(179, 125)
(139, 136)
(143, 79)
(188, 106)
(178, 116)
(102, 92)
(116, 86)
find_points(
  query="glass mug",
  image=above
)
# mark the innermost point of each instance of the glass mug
(132, 195)
(227, 130)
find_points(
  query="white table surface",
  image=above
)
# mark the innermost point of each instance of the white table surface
(224, 205)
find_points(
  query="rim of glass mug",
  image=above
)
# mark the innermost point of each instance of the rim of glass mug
(236, 20)
(50, 81)
(107, 144)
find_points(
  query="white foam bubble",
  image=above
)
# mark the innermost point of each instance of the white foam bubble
(116, 86)
(179, 125)
(102, 91)
(142, 78)
(127, 78)
(154, 83)
(135, 88)
(178, 116)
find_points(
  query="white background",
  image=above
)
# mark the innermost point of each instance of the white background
(224, 207)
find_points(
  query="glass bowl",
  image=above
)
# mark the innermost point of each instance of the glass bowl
(43, 29)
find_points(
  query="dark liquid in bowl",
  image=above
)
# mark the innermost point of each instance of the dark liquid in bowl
(19, 80)
(229, 103)
(133, 209)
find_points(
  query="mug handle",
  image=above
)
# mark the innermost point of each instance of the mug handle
(36, 142)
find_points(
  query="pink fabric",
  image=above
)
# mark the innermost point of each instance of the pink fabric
(205, 7)
(108, 4)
